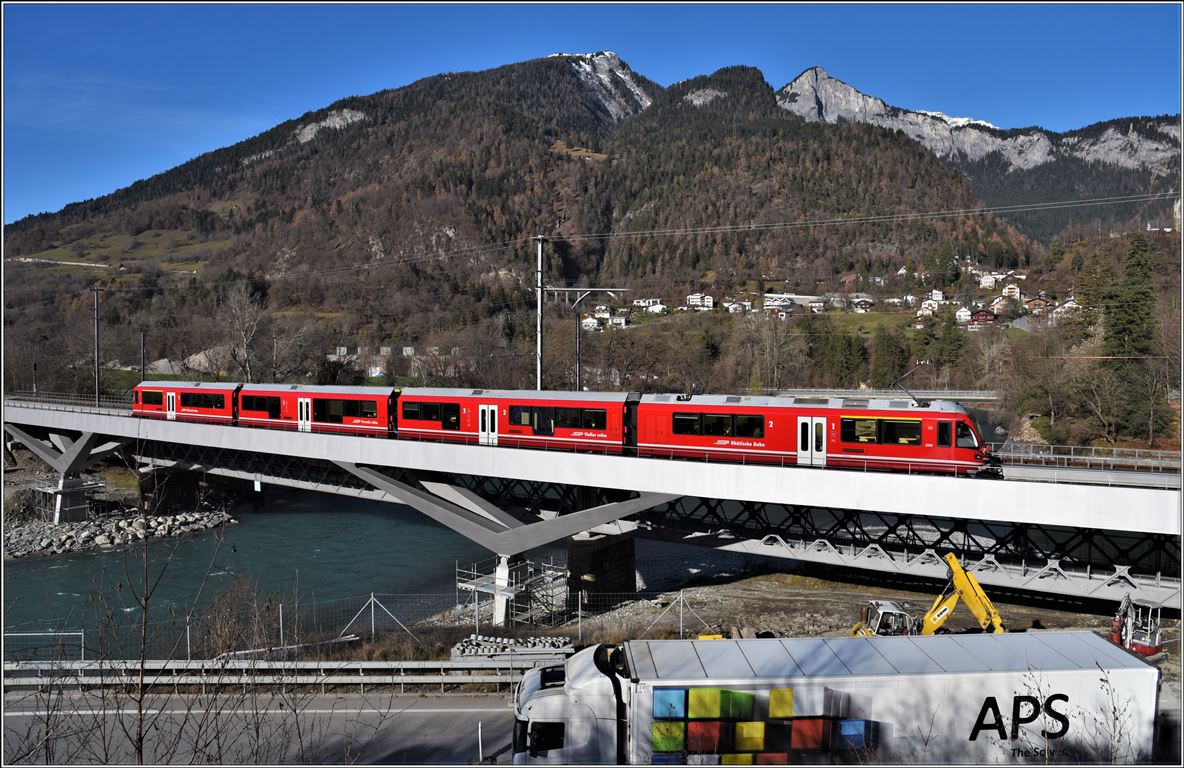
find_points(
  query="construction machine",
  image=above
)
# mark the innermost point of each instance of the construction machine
(1136, 628)
(886, 617)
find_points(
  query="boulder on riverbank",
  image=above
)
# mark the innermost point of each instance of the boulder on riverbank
(43, 538)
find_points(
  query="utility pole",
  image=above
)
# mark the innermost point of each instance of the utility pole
(583, 294)
(538, 333)
(143, 359)
(96, 292)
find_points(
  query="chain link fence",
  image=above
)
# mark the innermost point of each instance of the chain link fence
(374, 626)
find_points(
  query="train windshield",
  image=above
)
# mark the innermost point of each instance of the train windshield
(966, 438)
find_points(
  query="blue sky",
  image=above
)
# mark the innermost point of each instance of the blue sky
(99, 96)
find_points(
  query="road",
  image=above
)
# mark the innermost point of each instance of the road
(260, 729)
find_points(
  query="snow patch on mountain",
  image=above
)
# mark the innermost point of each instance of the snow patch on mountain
(816, 96)
(957, 122)
(337, 119)
(703, 96)
(611, 81)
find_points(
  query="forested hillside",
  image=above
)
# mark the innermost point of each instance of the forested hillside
(404, 218)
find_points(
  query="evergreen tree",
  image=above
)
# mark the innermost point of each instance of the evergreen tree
(889, 358)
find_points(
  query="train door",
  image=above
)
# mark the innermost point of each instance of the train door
(487, 425)
(304, 414)
(170, 399)
(945, 440)
(812, 441)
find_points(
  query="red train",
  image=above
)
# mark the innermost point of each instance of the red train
(892, 435)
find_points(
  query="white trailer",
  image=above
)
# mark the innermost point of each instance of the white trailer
(1006, 698)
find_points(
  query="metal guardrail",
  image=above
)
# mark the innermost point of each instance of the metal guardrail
(55, 398)
(966, 395)
(218, 673)
(1088, 457)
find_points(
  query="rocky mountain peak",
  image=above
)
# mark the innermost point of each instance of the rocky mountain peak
(612, 82)
(817, 97)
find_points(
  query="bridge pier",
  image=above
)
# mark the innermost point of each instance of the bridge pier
(601, 565)
(501, 590)
(68, 455)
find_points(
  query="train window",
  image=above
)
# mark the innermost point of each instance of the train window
(361, 409)
(201, 400)
(135, 396)
(685, 424)
(893, 432)
(716, 424)
(594, 419)
(328, 411)
(567, 418)
(544, 420)
(260, 403)
(411, 411)
(966, 438)
(519, 415)
(859, 430)
(804, 441)
(943, 434)
(449, 415)
(750, 426)
(152, 397)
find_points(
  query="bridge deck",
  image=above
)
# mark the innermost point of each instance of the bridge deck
(1107, 508)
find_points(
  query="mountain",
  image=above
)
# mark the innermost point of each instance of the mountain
(1007, 167)
(406, 215)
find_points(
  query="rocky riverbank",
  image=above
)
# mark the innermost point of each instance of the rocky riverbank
(41, 538)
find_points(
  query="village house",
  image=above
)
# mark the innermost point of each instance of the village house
(700, 301)
(619, 321)
(1068, 306)
(646, 302)
(1012, 291)
(981, 318)
(1038, 305)
(590, 324)
(962, 316)
(656, 309)
(937, 295)
(602, 312)
(1002, 304)
(928, 308)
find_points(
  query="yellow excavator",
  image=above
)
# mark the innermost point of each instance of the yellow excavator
(886, 617)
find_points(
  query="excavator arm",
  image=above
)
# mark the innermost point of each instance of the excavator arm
(962, 586)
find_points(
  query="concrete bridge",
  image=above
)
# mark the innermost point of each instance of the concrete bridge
(1062, 538)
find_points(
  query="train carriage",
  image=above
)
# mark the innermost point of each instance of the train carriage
(335, 409)
(574, 421)
(185, 401)
(894, 435)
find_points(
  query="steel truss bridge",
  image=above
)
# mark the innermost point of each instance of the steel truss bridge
(1057, 538)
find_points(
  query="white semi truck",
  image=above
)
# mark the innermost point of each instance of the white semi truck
(1009, 698)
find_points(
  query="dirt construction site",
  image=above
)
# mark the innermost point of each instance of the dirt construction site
(729, 596)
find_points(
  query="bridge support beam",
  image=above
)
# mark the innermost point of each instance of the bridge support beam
(68, 455)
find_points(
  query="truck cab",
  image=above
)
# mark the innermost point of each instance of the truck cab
(560, 714)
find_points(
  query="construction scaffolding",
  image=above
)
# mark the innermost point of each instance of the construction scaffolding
(536, 592)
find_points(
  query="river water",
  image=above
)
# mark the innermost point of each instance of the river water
(325, 547)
